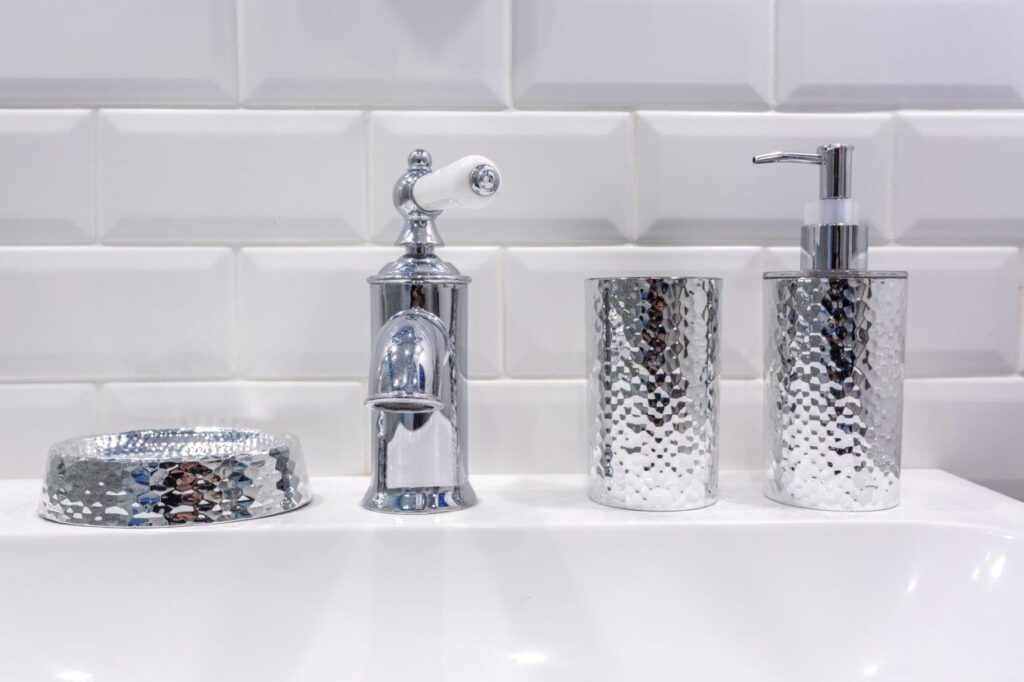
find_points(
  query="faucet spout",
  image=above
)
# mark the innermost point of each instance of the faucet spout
(409, 354)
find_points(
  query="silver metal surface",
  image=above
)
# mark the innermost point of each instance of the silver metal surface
(419, 233)
(834, 388)
(409, 362)
(835, 161)
(652, 391)
(833, 247)
(417, 383)
(484, 180)
(173, 477)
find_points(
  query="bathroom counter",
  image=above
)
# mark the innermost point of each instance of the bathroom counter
(535, 583)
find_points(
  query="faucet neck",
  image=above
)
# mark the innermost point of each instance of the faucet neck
(419, 265)
(419, 229)
(419, 234)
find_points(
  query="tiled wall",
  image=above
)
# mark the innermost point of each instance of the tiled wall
(192, 193)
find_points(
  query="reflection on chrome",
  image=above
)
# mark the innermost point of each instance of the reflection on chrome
(409, 354)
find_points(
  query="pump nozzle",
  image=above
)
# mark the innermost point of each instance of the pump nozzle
(836, 162)
(831, 238)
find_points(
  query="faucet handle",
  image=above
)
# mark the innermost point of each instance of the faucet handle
(422, 193)
(469, 182)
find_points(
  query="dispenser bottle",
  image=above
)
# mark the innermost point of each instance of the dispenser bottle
(834, 357)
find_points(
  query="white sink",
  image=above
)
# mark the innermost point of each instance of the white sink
(536, 583)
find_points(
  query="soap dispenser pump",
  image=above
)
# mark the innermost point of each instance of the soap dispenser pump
(834, 357)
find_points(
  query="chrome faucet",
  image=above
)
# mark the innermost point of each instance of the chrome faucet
(417, 385)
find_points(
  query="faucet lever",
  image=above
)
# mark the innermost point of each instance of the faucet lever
(469, 182)
(422, 193)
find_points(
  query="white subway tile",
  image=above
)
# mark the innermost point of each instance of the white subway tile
(641, 53)
(971, 427)
(46, 177)
(696, 182)
(305, 312)
(97, 313)
(565, 176)
(486, 306)
(1020, 318)
(527, 427)
(232, 177)
(545, 302)
(396, 53)
(958, 179)
(328, 417)
(35, 416)
(873, 54)
(117, 52)
(962, 308)
(741, 434)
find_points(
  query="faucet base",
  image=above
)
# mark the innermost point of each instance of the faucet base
(421, 500)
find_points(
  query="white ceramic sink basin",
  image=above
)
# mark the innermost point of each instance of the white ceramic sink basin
(536, 583)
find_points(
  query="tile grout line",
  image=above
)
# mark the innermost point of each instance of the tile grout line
(503, 305)
(509, 54)
(633, 189)
(773, 55)
(236, 364)
(94, 166)
(894, 125)
(239, 53)
(368, 211)
(98, 393)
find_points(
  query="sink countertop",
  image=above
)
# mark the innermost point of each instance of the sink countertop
(534, 584)
(928, 496)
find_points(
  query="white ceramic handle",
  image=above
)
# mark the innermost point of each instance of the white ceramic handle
(469, 182)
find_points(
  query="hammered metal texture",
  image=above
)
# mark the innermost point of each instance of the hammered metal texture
(173, 477)
(652, 357)
(834, 390)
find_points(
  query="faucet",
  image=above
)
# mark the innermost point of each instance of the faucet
(417, 384)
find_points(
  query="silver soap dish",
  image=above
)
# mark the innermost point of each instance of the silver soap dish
(173, 477)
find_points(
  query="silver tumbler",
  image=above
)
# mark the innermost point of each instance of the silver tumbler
(652, 391)
(834, 388)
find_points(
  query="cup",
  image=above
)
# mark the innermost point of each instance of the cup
(652, 391)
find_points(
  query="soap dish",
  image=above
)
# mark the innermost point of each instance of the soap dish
(173, 477)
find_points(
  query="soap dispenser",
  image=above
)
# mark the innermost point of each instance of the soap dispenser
(834, 335)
